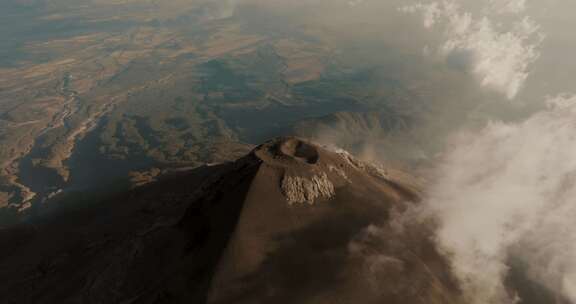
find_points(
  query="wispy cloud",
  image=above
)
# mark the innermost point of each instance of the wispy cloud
(220, 9)
(499, 55)
(508, 6)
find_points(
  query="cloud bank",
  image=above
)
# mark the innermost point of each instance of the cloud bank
(503, 195)
(507, 192)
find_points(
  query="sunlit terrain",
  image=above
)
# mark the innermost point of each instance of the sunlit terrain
(271, 151)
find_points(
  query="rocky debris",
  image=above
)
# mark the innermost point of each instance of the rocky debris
(311, 173)
(303, 190)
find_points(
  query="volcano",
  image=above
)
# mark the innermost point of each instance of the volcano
(291, 222)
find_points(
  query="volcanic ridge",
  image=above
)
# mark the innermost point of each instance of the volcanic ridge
(291, 222)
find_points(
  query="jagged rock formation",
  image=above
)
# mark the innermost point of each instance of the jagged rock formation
(289, 223)
(302, 190)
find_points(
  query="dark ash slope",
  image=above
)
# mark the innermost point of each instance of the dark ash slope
(289, 223)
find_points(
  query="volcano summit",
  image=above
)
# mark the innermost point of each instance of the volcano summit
(291, 222)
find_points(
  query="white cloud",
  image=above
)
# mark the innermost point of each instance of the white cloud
(507, 192)
(508, 6)
(500, 56)
(510, 191)
(354, 3)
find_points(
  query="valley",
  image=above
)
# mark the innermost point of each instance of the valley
(106, 98)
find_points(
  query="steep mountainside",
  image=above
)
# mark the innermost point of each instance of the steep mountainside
(289, 223)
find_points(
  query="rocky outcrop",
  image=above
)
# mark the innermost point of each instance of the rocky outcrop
(303, 190)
